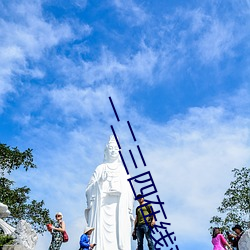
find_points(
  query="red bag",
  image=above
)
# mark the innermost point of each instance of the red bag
(49, 227)
(65, 236)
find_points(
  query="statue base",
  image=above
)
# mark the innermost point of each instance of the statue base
(12, 247)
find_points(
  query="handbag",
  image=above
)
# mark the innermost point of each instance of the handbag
(49, 227)
(65, 236)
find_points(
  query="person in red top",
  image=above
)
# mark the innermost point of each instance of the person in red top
(218, 240)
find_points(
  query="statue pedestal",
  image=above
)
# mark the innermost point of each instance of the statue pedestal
(13, 247)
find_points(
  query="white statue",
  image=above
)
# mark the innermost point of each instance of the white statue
(110, 202)
(4, 212)
(25, 235)
(244, 242)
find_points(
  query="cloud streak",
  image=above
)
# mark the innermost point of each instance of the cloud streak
(26, 40)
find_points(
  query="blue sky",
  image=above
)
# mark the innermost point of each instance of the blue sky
(177, 70)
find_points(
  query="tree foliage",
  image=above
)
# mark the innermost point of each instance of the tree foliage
(17, 199)
(6, 240)
(13, 158)
(235, 207)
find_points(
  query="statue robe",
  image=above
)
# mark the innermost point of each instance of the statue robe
(109, 207)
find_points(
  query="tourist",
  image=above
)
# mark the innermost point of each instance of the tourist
(218, 240)
(231, 240)
(141, 228)
(56, 231)
(85, 239)
(238, 230)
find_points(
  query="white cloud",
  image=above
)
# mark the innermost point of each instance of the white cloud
(123, 70)
(31, 33)
(240, 100)
(143, 63)
(25, 35)
(201, 34)
(217, 42)
(10, 58)
(242, 5)
(198, 19)
(105, 69)
(83, 102)
(131, 12)
(80, 3)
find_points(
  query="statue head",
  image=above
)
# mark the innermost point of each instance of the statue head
(111, 152)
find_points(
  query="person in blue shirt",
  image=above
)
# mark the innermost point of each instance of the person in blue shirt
(85, 239)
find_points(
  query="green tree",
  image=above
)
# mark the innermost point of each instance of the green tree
(235, 207)
(17, 199)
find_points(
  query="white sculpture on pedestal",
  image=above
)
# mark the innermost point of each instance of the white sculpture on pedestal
(110, 202)
(244, 242)
(23, 234)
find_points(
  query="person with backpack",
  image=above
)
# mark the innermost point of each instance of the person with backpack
(140, 226)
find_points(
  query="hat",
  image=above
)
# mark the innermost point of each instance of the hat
(59, 213)
(87, 229)
(237, 227)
